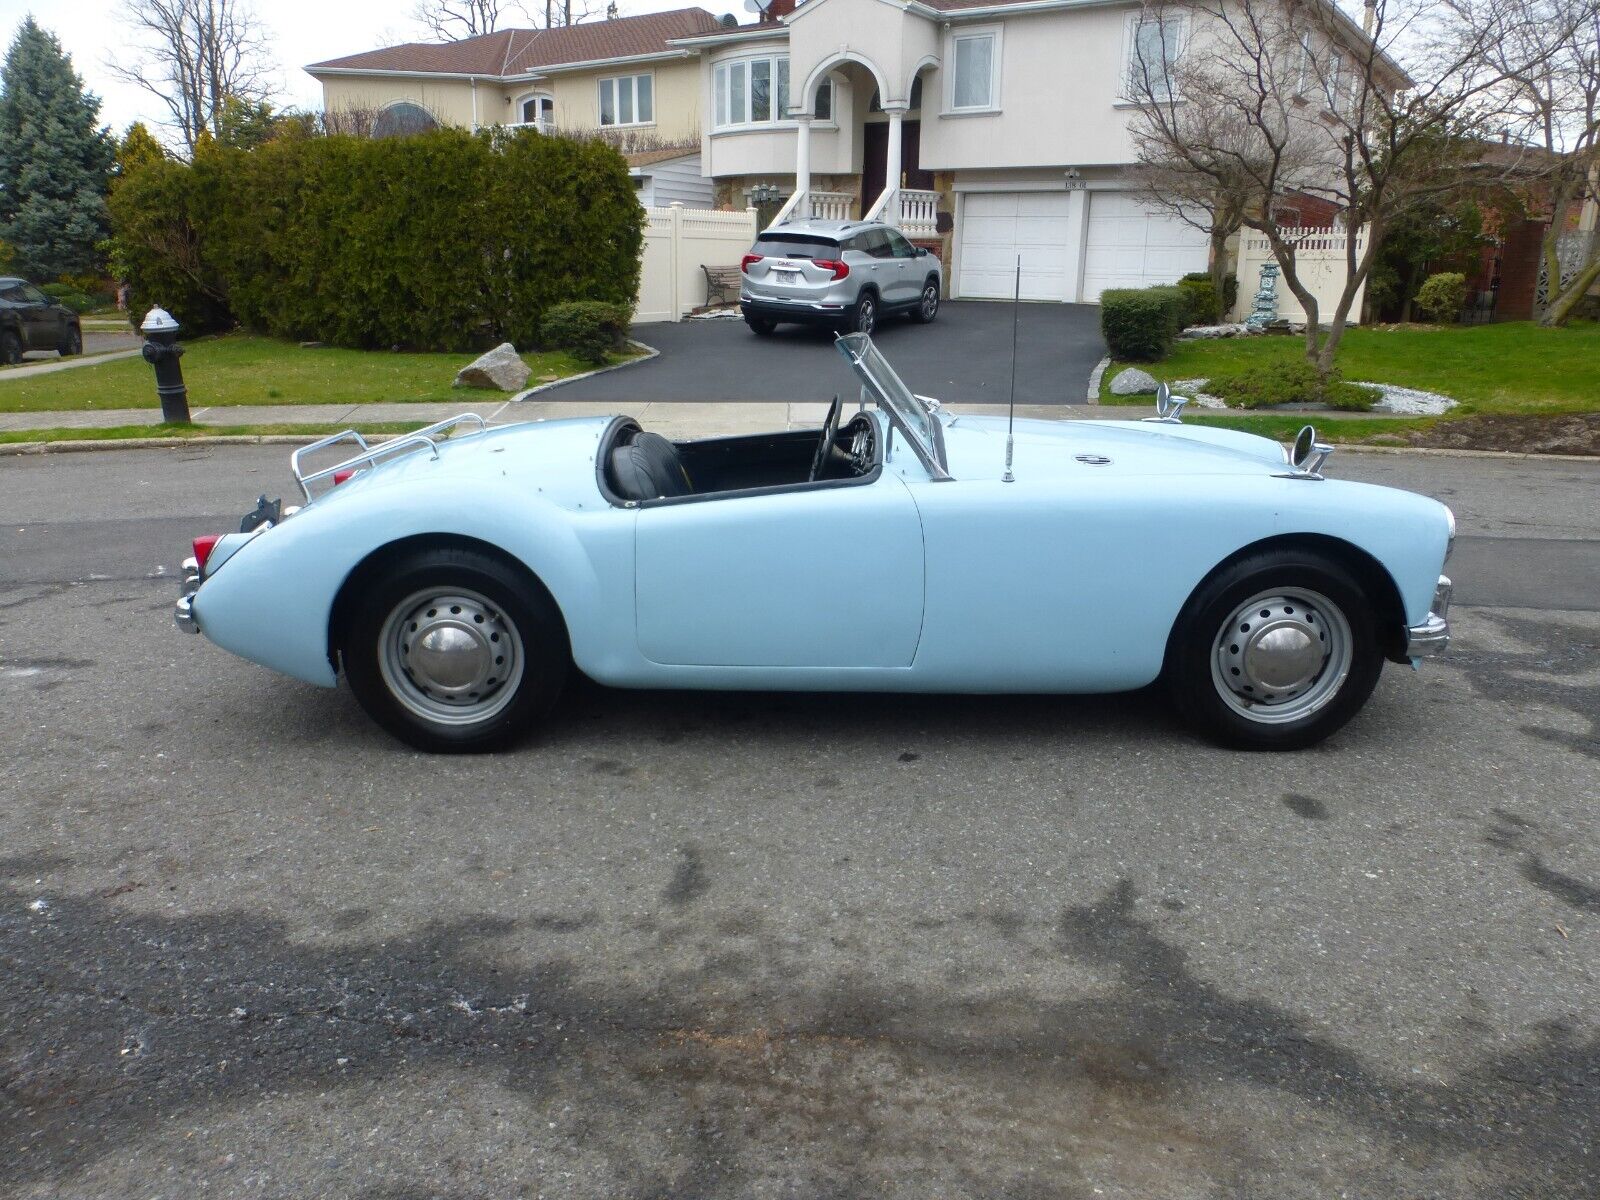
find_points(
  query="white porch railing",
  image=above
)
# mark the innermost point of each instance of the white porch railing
(919, 213)
(816, 206)
(545, 127)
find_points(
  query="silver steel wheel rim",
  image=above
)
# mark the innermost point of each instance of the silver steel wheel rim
(451, 656)
(867, 317)
(1282, 656)
(930, 300)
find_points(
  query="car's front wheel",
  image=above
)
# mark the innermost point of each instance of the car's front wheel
(453, 650)
(71, 342)
(1275, 652)
(928, 306)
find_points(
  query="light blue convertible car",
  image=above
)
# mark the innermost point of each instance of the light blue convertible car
(459, 575)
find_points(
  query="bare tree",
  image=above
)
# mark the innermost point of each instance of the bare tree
(196, 56)
(1292, 100)
(454, 20)
(1552, 77)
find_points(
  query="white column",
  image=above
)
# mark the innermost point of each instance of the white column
(802, 161)
(891, 174)
(1077, 242)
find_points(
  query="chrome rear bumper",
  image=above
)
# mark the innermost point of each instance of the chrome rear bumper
(183, 613)
(1433, 635)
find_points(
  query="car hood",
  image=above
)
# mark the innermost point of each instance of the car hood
(976, 448)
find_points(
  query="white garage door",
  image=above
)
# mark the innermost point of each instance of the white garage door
(998, 226)
(1132, 246)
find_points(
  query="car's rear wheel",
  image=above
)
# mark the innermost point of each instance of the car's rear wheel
(864, 316)
(928, 306)
(71, 342)
(454, 651)
(761, 325)
(10, 349)
(1274, 652)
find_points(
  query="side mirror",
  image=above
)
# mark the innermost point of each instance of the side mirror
(1307, 454)
(1168, 407)
(922, 252)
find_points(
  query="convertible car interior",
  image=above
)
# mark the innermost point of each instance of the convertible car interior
(640, 466)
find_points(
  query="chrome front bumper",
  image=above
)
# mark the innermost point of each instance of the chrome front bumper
(183, 613)
(1433, 635)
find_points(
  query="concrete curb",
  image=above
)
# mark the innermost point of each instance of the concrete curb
(1094, 379)
(649, 353)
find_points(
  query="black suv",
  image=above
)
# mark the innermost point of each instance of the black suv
(30, 320)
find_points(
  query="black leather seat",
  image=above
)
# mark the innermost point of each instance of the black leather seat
(646, 467)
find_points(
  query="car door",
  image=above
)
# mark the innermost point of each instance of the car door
(41, 330)
(878, 261)
(906, 270)
(822, 575)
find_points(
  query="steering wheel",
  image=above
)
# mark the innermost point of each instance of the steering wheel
(830, 427)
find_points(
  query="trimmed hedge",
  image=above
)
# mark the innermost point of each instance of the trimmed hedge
(68, 296)
(1296, 382)
(446, 240)
(1140, 324)
(1443, 295)
(590, 329)
(1202, 294)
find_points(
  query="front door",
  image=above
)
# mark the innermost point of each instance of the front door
(819, 576)
(875, 162)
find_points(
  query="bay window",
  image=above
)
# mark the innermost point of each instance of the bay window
(627, 100)
(755, 91)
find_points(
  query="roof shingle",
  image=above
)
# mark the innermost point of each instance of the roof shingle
(521, 51)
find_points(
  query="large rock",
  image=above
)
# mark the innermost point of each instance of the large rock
(500, 369)
(1133, 382)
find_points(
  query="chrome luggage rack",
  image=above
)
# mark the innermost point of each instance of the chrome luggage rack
(429, 437)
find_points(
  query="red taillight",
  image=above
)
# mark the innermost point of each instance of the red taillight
(839, 268)
(203, 546)
(744, 264)
(340, 476)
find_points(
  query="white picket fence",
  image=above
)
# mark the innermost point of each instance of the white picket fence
(1319, 262)
(678, 242)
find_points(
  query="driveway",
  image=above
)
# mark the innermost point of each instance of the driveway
(740, 946)
(964, 356)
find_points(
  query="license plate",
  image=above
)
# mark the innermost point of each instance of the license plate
(789, 277)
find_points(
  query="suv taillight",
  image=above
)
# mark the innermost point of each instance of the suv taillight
(748, 259)
(838, 266)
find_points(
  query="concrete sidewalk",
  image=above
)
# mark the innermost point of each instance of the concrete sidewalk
(675, 417)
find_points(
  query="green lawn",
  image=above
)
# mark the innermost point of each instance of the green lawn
(119, 433)
(239, 369)
(1514, 367)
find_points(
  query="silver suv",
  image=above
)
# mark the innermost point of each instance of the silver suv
(847, 274)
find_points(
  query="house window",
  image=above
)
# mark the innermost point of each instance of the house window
(1156, 43)
(401, 118)
(536, 110)
(628, 100)
(755, 91)
(976, 70)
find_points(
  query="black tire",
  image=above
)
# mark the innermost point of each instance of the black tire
(1304, 593)
(520, 615)
(71, 342)
(10, 348)
(927, 309)
(863, 317)
(762, 326)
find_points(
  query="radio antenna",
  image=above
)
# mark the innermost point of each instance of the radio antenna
(1011, 405)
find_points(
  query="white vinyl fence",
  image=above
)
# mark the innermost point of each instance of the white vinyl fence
(1320, 263)
(678, 242)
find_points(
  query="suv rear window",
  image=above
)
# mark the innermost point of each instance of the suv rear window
(797, 245)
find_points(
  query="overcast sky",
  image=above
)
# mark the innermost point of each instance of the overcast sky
(299, 32)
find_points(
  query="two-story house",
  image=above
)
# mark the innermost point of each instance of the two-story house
(995, 129)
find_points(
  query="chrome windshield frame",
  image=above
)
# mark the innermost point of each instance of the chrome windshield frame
(917, 422)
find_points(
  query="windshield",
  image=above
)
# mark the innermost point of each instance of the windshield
(919, 426)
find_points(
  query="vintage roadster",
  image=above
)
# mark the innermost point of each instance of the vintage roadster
(458, 575)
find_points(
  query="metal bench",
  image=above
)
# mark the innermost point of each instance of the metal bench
(722, 284)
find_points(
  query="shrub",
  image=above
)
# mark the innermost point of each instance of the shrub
(1139, 324)
(1443, 295)
(439, 241)
(589, 329)
(68, 297)
(1291, 382)
(1202, 295)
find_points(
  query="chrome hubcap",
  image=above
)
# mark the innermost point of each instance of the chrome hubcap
(868, 316)
(1282, 655)
(930, 301)
(451, 657)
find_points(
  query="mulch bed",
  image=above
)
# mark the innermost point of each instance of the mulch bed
(1577, 433)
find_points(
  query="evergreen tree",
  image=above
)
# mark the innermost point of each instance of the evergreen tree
(138, 148)
(55, 162)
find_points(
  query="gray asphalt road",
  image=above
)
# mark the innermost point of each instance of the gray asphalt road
(955, 358)
(787, 946)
